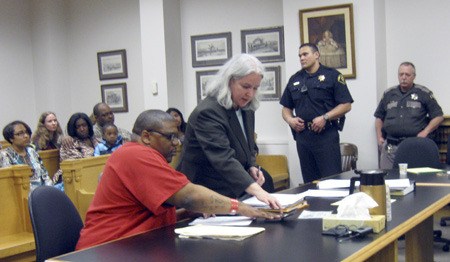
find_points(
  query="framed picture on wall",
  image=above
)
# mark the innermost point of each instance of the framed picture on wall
(331, 29)
(270, 88)
(203, 77)
(112, 64)
(115, 95)
(267, 44)
(210, 50)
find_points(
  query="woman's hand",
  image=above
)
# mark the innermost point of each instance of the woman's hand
(255, 190)
(257, 175)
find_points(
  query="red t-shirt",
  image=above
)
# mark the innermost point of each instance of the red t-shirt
(130, 197)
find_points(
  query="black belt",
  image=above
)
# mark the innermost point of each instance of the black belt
(395, 141)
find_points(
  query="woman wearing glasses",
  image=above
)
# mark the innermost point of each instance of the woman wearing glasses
(20, 152)
(219, 150)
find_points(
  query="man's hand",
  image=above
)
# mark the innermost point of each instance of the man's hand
(67, 142)
(318, 124)
(297, 124)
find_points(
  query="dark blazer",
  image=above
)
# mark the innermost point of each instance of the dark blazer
(216, 153)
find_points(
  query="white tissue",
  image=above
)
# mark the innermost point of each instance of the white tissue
(356, 206)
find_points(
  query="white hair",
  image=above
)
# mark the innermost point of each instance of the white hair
(236, 68)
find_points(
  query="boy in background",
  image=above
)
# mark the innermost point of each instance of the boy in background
(110, 142)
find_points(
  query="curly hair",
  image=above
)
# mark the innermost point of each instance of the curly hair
(42, 136)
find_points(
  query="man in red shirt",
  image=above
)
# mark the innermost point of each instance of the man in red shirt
(139, 190)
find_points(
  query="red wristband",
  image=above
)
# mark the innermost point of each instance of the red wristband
(234, 206)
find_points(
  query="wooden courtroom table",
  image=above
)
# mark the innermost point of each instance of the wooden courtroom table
(289, 240)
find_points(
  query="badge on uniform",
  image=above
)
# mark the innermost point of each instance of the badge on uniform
(414, 96)
(321, 78)
(296, 83)
(341, 79)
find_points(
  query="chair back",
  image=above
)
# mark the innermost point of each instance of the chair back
(349, 156)
(55, 221)
(417, 152)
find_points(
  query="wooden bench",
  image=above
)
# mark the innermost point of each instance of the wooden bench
(50, 158)
(277, 166)
(81, 179)
(16, 233)
(4, 144)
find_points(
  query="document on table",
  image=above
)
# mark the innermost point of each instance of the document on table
(324, 193)
(218, 232)
(419, 170)
(223, 221)
(345, 183)
(306, 214)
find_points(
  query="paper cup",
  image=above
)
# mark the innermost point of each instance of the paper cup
(403, 169)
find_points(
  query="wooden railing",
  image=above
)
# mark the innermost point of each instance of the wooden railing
(81, 180)
(16, 234)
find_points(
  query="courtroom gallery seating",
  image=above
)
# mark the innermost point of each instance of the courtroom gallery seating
(16, 236)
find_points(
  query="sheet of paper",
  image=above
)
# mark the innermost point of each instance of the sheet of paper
(223, 221)
(218, 232)
(398, 183)
(418, 170)
(345, 183)
(284, 199)
(334, 183)
(324, 193)
(306, 214)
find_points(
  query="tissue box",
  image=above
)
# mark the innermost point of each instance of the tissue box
(378, 222)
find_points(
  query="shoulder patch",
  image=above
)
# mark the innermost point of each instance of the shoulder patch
(341, 79)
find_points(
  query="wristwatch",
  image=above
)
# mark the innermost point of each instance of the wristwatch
(326, 117)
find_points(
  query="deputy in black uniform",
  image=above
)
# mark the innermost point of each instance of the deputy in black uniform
(320, 97)
(405, 110)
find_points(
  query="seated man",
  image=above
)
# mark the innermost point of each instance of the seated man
(104, 115)
(139, 189)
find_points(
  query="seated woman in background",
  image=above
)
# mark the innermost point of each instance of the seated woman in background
(111, 140)
(180, 122)
(20, 152)
(48, 133)
(80, 129)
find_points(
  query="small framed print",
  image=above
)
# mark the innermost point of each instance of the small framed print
(115, 95)
(210, 50)
(267, 44)
(203, 77)
(112, 64)
(270, 88)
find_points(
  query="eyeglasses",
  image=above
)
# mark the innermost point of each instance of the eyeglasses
(170, 137)
(21, 133)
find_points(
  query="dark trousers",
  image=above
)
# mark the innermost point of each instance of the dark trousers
(319, 154)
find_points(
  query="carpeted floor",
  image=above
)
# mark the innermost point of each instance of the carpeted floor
(439, 254)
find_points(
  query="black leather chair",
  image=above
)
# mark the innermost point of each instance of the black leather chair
(421, 152)
(55, 221)
(417, 152)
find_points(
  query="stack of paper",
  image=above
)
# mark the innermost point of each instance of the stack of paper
(223, 221)
(400, 187)
(218, 232)
(289, 203)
